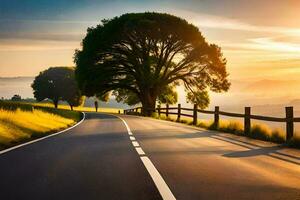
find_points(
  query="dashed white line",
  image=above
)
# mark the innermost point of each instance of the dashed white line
(132, 138)
(135, 144)
(140, 151)
(159, 182)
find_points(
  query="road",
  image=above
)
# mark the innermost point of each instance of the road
(99, 159)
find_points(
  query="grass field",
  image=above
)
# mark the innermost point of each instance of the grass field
(19, 122)
(81, 108)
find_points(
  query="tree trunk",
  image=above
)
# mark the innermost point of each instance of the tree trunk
(148, 103)
(71, 107)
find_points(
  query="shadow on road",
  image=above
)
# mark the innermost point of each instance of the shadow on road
(253, 149)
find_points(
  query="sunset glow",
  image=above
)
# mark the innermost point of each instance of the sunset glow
(260, 40)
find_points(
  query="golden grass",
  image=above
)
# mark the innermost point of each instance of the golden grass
(81, 108)
(19, 125)
(258, 130)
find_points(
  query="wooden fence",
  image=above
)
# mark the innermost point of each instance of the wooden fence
(289, 118)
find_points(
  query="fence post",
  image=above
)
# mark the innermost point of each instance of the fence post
(247, 121)
(216, 116)
(179, 112)
(158, 108)
(289, 113)
(167, 110)
(195, 115)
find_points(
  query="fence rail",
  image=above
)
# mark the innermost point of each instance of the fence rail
(289, 120)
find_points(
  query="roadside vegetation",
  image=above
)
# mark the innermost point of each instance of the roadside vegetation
(81, 108)
(258, 131)
(22, 122)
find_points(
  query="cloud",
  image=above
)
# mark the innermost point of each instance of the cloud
(41, 36)
(220, 22)
(267, 44)
(48, 21)
(270, 43)
(36, 45)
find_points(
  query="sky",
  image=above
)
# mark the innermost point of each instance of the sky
(259, 38)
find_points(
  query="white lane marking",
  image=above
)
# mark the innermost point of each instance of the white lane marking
(140, 151)
(135, 144)
(132, 138)
(39, 139)
(159, 182)
(127, 127)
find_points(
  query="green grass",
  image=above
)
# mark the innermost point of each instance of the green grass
(22, 122)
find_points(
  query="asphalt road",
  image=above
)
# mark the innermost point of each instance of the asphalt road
(99, 160)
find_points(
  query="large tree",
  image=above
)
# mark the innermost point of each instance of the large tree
(57, 83)
(144, 54)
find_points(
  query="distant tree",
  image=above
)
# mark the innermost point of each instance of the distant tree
(57, 83)
(140, 56)
(201, 97)
(72, 94)
(168, 96)
(103, 97)
(126, 96)
(74, 99)
(16, 97)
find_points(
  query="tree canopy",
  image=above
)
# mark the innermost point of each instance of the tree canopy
(57, 83)
(16, 97)
(142, 56)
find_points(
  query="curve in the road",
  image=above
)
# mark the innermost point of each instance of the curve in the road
(42, 138)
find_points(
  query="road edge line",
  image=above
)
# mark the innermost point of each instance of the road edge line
(158, 180)
(42, 138)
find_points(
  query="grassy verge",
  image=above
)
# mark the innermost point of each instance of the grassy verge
(258, 131)
(294, 142)
(81, 108)
(21, 122)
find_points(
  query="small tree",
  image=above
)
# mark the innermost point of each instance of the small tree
(72, 94)
(57, 83)
(168, 95)
(16, 97)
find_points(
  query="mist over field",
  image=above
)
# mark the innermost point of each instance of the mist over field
(10, 86)
(265, 96)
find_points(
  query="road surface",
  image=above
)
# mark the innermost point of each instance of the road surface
(105, 158)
